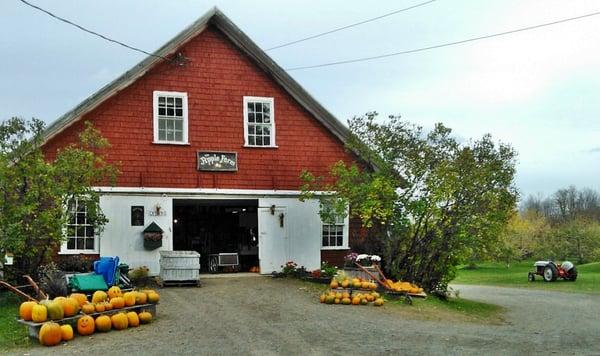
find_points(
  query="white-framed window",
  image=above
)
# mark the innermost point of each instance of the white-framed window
(259, 122)
(79, 231)
(170, 117)
(334, 235)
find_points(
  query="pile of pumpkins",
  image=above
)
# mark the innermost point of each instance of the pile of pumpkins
(345, 298)
(355, 283)
(51, 333)
(403, 287)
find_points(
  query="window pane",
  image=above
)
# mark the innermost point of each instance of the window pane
(170, 112)
(325, 241)
(179, 112)
(251, 140)
(259, 117)
(80, 231)
(259, 130)
(258, 107)
(179, 125)
(162, 135)
(170, 136)
(259, 141)
(250, 107)
(89, 244)
(162, 111)
(170, 124)
(266, 130)
(80, 218)
(251, 129)
(266, 118)
(266, 108)
(179, 136)
(89, 231)
(266, 141)
(340, 241)
(251, 117)
(80, 245)
(178, 102)
(161, 100)
(170, 101)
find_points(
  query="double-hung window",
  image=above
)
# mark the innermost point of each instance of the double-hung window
(170, 117)
(259, 122)
(80, 234)
(334, 233)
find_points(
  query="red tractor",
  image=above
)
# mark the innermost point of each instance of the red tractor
(550, 271)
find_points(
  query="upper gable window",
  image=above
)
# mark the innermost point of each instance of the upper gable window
(170, 117)
(259, 122)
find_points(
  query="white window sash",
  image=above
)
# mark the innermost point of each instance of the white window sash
(262, 100)
(64, 250)
(184, 103)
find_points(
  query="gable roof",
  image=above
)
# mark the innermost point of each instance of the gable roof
(217, 19)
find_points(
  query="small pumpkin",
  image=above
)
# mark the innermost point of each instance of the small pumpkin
(100, 307)
(25, 310)
(346, 301)
(80, 298)
(119, 321)
(39, 313)
(50, 334)
(69, 305)
(330, 299)
(378, 302)
(103, 323)
(356, 301)
(86, 325)
(117, 303)
(364, 301)
(322, 298)
(133, 319)
(114, 292)
(334, 284)
(99, 296)
(55, 310)
(345, 283)
(107, 306)
(66, 332)
(145, 317)
(88, 308)
(129, 298)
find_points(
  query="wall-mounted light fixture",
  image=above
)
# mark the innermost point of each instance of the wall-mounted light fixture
(272, 208)
(281, 216)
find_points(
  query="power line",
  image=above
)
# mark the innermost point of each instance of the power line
(91, 32)
(443, 45)
(349, 26)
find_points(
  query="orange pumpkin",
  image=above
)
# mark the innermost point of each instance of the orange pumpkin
(114, 292)
(141, 298)
(356, 301)
(119, 321)
(80, 298)
(132, 319)
(107, 306)
(69, 305)
(129, 298)
(50, 334)
(86, 325)
(153, 297)
(103, 323)
(39, 313)
(378, 302)
(322, 298)
(145, 317)
(334, 284)
(88, 308)
(117, 302)
(100, 307)
(66, 332)
(25, 310)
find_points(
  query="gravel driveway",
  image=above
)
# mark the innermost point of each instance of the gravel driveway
(263, 316)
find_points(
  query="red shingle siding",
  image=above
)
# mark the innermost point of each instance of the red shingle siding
(216, 79)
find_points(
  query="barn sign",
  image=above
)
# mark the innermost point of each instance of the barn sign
(217, 161)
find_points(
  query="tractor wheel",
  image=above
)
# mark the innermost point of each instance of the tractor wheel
(572, 274)
(550, 273)
(531, 277)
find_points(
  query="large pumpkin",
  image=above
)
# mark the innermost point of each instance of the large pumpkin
(69, 305)
(88, 308)
(119, 321)
(103, 323)
(114, 292)
(129, 298)
(117, 302)
(25, 310)
(132, 319)
(145, 317)
(79, 297)
(39, 313)
(86, 325)
(66, 332)
(153, 297)
(55, 310)
(50, 334)
(99, 296)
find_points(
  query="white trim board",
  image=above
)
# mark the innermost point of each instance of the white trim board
(201, 191)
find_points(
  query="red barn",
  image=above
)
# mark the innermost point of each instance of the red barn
(210, 142)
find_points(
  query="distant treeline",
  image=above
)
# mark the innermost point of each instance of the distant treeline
(562, 226)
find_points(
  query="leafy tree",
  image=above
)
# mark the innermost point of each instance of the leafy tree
(430, 201)
(34, 192)
(523, 236)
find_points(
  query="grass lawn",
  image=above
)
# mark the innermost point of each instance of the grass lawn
(12, 334)
(588, 279)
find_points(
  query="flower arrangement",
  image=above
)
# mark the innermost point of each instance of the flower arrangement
(289, 268)
(327, 270)
(368, 260)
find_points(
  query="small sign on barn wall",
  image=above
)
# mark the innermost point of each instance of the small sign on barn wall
(217, 161)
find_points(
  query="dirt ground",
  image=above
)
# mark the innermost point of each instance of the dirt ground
(264, 316)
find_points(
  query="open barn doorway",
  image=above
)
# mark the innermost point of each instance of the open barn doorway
(223, 231)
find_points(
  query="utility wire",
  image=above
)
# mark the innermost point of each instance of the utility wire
(349, 26)
(444, 44)
(91, 32)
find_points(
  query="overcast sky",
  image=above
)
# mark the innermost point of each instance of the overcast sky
(537, 90)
